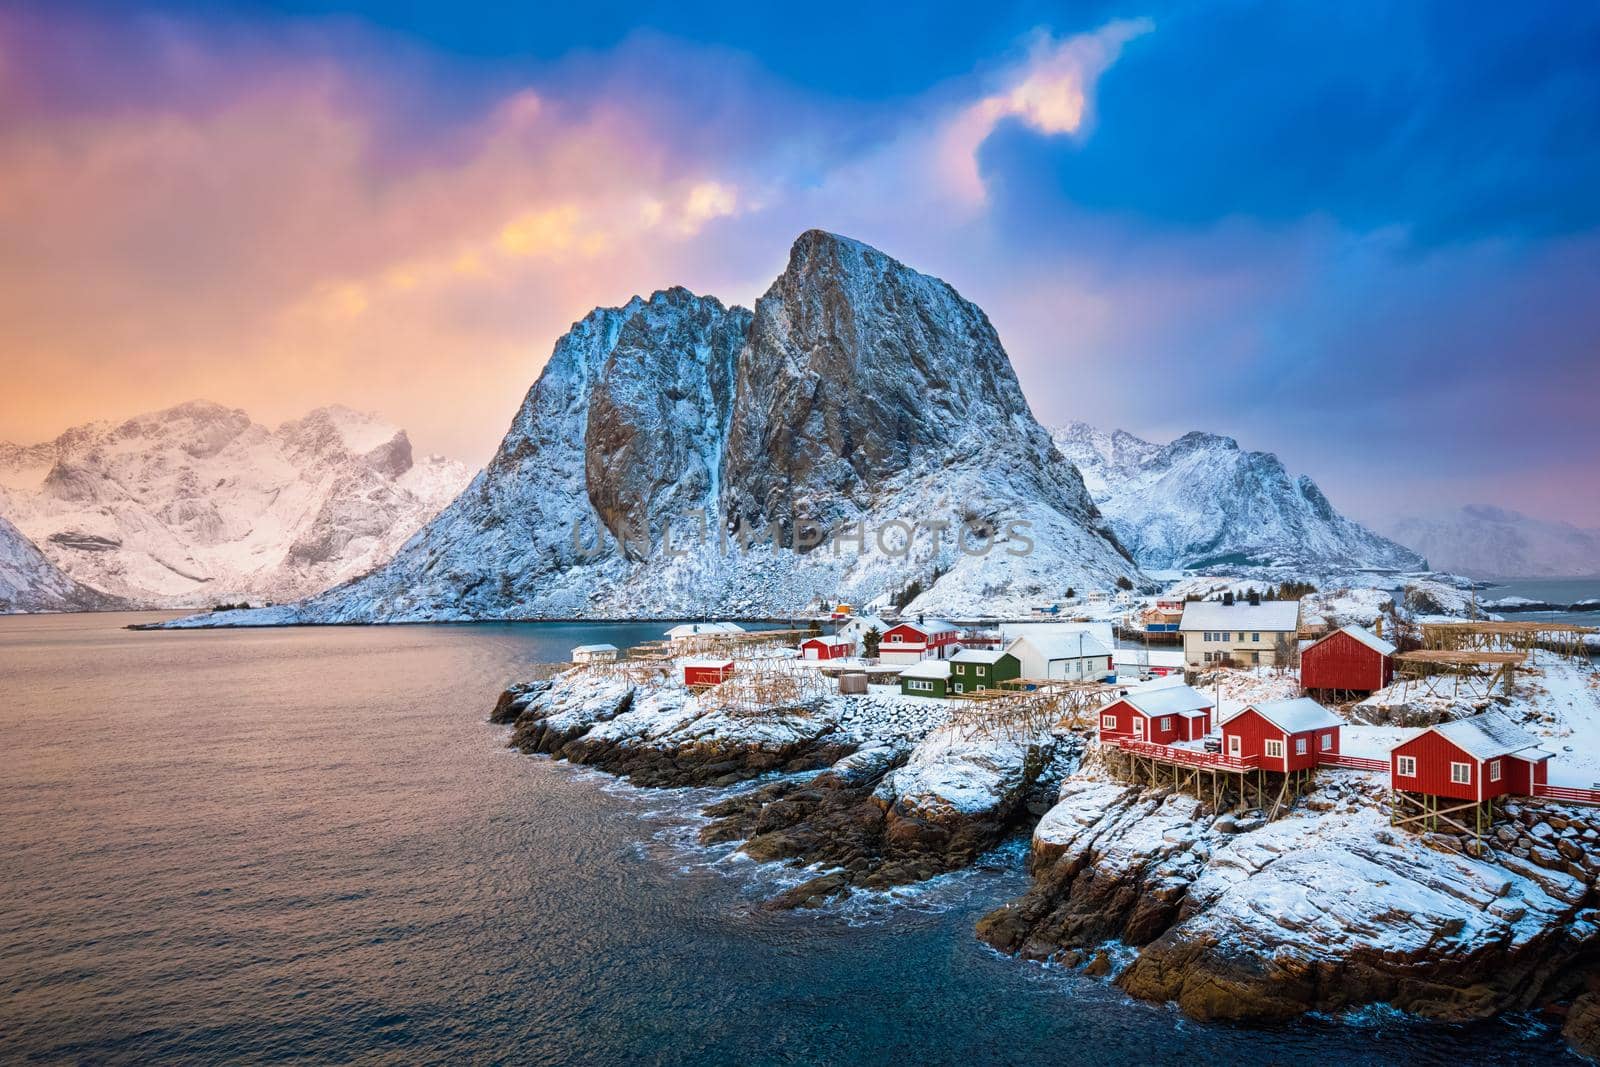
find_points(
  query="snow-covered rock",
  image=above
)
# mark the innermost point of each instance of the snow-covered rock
(858, 391)
(1202, 501)
(199, 505)
(1491, 542)
(30, 582)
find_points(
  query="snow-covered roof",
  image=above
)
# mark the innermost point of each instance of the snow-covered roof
(830, 639)
(1366, 637)
(863, 623)
(1054, 646)
(1274, 615)
(1487, 735)
(1294, 716)
(928, 668)
(594, 648)
(715, 663)
(978, 655)
(1132, 657)
(692, 629)
(1169, 700)
(931, 627)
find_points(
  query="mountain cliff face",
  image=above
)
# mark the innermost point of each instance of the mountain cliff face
(198, 504)
(1490, 542)
(30, 582)
(857, 392)
(1201, 501)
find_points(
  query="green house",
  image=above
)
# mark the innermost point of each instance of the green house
(973, 670)
(926, 678)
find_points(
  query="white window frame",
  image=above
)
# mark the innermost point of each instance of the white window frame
(1108, 722)
(1138, 727)
(1405, 766)
(1272, 748)
(920, 685)
(1299, 746)
(1166, 723)
(1256, 637)
(1465, 776)
(1494, 770)
(1327, 742)
(1235, 745)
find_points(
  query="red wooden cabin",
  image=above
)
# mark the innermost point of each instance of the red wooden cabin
(1350, 659)
(1476, 759)
(831, 646)
(908, 642)
(1165, 715)
(702, 672)
(1282, 735)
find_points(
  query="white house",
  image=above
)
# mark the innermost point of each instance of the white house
(858, 625)
(1244, 632)
(596, 654)
(1063, 656)
(688, 630)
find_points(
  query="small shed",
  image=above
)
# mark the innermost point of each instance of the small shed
(927, 678)
(1350, 659)
(1284, 735)
(828, 646)
(1165, 715)
(596, 654)
(1475, 759)
(704, 672)
(974, 669)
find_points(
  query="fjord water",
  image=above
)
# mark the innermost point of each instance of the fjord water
(308, 843)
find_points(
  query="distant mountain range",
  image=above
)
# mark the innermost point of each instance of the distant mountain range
(1203, 502)
(1489, 542)
(198, 504)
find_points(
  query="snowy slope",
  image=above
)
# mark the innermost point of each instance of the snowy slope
(857, 391)
(1202, 501)
(1489, 542)
(30, 582)
(198, 504)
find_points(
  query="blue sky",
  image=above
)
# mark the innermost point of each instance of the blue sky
(1360, 235)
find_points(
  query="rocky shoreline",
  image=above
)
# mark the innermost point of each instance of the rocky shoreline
(1228, 917)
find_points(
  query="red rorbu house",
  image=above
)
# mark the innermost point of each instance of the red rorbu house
(703, 672)
(1473, 759)
(1163, 716)
(1350, 659)
(912, 641)
(830, 646)
(1282, 735)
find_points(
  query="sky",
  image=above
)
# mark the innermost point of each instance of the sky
(1363, 236)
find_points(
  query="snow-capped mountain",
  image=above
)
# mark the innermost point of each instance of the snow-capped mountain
(1203, 502)
(197, 504)
(858, 391)
(30, 582)
(1489, 542)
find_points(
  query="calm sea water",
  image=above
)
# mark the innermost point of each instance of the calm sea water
(308, 844)
(1551, 591)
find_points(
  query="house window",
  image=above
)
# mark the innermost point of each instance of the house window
(1405, 766)
(920, 686)
(1256, 638)
(1494, 770)
(1255, 657)
(1327, 742)
(961, 668)
(1108, 722)
(1225, 636)
(1207, 635)
(1274, 749)
(1166, 722)
(981, 671)
(960, 688)
(895, 639)
(1461, 773)
(1299, 746)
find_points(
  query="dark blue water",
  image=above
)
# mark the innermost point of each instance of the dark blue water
(308, 844)
(1564, 591)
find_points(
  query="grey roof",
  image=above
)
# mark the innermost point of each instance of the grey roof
(1169, 700)
(1487, 735)
(1366, 637)
(1054, 646)
(1278, 616)
(977, 655)
(1295, 716)
(831, 639)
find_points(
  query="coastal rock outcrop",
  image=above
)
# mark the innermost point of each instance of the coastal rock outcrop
(1327, 909)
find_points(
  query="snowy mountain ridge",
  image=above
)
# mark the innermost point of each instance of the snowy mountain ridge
(1490, 542)
(1201, 501)
(857, 391)
(198, 504)
(29, 582)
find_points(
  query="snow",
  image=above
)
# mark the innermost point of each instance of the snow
(1486, 735)
(197, 504)
(1168, 700)
(1274, 615)
(950, 770)
(928, 668)
(1296, 715)
(1377, 644)
(1492, 542)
